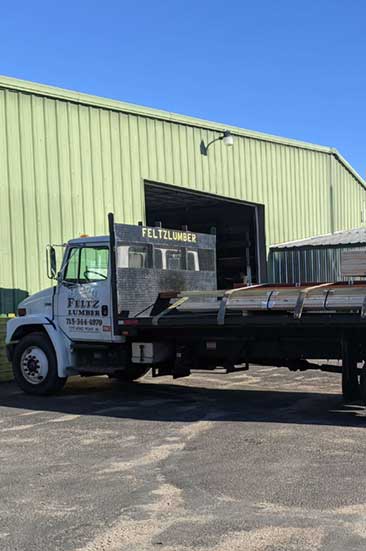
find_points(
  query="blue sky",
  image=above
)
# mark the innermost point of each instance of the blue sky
(292, 68)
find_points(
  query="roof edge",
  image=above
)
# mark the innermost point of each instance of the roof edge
(314, 241)
(97, 101)
(348, 166)
(55, 92)
(290, 244)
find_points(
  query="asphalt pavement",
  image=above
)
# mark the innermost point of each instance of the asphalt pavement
(265, 460)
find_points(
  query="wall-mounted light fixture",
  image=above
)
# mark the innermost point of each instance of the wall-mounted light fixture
(227, 138)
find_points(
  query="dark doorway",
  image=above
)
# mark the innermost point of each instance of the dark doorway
(239, 228)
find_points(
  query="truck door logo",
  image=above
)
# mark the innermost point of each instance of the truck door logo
(83, 314)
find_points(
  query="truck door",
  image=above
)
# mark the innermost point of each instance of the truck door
(83, 300)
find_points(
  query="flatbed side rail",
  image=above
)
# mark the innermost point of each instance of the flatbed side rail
(334, 298)
(303, 294)
(182, 298)
(179, 302)
(228, 295)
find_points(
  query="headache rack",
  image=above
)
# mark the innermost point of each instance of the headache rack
(331, 298)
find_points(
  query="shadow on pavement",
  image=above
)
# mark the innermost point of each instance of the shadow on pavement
(172, 402)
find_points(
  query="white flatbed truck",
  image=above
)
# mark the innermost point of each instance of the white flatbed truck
(145, 298)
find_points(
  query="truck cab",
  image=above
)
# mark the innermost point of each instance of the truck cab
(82, 298)
(74, 326)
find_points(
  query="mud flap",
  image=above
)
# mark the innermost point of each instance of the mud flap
(183, 363)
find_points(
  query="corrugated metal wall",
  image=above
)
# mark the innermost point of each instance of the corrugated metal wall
(315, 264)
(64, 165)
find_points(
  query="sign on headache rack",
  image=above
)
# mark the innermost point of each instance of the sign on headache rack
(151, 260)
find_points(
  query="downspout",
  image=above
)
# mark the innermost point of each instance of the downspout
(331, 192)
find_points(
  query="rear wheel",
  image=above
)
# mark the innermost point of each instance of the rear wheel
(35, 365)
(350, 385)
(363, 384)
(131, 373)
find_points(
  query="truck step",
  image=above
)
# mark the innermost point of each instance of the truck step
(104, 370)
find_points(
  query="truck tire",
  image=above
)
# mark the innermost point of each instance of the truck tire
(131, 373)
(363, 384)
(35, 365)
(350, 386)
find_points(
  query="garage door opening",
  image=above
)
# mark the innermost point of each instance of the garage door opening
(239, 228)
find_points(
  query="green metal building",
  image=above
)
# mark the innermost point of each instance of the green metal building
(67, 159)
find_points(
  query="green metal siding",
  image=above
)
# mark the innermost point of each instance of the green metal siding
(67, 159)
(308, 265)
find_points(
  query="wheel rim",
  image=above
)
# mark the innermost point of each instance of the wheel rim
(34, 365)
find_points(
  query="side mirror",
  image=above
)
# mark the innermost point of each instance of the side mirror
(51, 262)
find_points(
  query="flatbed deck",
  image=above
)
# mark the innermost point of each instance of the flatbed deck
(271, 324)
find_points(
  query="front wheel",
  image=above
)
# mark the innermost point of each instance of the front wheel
(35, 365)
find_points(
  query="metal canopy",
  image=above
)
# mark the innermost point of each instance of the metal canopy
(356, 236)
